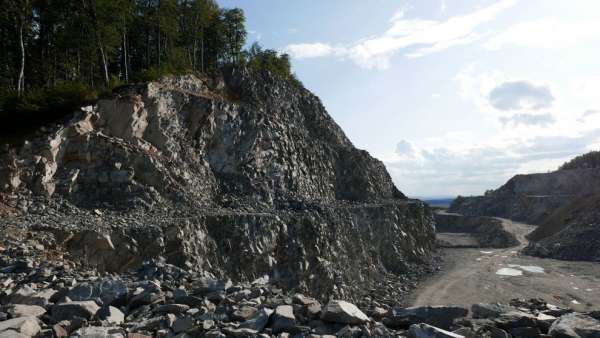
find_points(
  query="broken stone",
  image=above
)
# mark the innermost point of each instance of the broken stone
(575, 325)
(283, 318)
(428, 331)
(82, 309)
(438, 316)
(339, 311)
(21, 310)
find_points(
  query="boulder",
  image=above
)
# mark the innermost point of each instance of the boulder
(107, 290)
(283, 318)
(258, 321)
(22, 310)
(339, 311)
(427, 331)
(486, 310)
(438, 316)
(514, 319)
(28, 326)
(244, 313)
(67, 311)
(575, 325)
(12, 334)
(111, 315)
(28, 296)
(172, 308)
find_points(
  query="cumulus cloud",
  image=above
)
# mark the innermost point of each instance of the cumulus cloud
(405, 148)
(546, 33)
(424, 36)
(528, 119)
(519, 95)
(587, 114)
(310, 50)
(450, 171)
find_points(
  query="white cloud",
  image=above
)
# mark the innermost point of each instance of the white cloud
(310, 50)
(518, 95)
(588, 114)
(546, 33)
(427, 36)
(528, 119)
(452, 170)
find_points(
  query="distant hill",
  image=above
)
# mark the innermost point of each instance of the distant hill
(439, 202)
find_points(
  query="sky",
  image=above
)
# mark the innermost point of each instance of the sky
(455, 97)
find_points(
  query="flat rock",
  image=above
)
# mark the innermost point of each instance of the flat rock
(99, 332)
(82, 309)
(28, 326)
(438, 316)
(172, 308)
(22, 310)
(486, 310)
(13, 334)
(575, 325)
(339, 311)
(427, 331)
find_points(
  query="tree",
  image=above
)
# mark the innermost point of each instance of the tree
(21, 12)
(260, 59)
(235, 33)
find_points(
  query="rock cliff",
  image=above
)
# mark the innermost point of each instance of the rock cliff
(237, 176)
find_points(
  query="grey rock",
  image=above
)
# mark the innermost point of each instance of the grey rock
(514, 319)
(283, 319)
(13, 334)
(67, 311)
(428, 331)
(106, 289)
(485, 310)
(99, 332)
(339, 311)
(258, 321)
(575, 325)
(21, 310)
(28, 326)
(182, 324)
(438, 316)
(244, 313)
(172, 308)
(111, 315)
(28, 296)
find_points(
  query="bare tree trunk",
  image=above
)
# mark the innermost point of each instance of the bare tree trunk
(202, 50)
(21, 81)
(104, 65)
(125, 58)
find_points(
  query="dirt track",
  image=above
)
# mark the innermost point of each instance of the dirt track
(470, 276)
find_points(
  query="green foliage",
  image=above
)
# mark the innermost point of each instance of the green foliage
(75, 49)
(260, 60)
(63, 96)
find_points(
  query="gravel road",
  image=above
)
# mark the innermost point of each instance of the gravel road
(497, 275)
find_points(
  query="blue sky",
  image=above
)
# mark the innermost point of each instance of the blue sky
(454, 96)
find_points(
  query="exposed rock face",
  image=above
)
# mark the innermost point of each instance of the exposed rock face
(531, 198)
(488, 231)
(240, 177)
(571, 232)
(563, 203)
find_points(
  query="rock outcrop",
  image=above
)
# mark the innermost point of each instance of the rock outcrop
(487, 231)
(235, 177)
